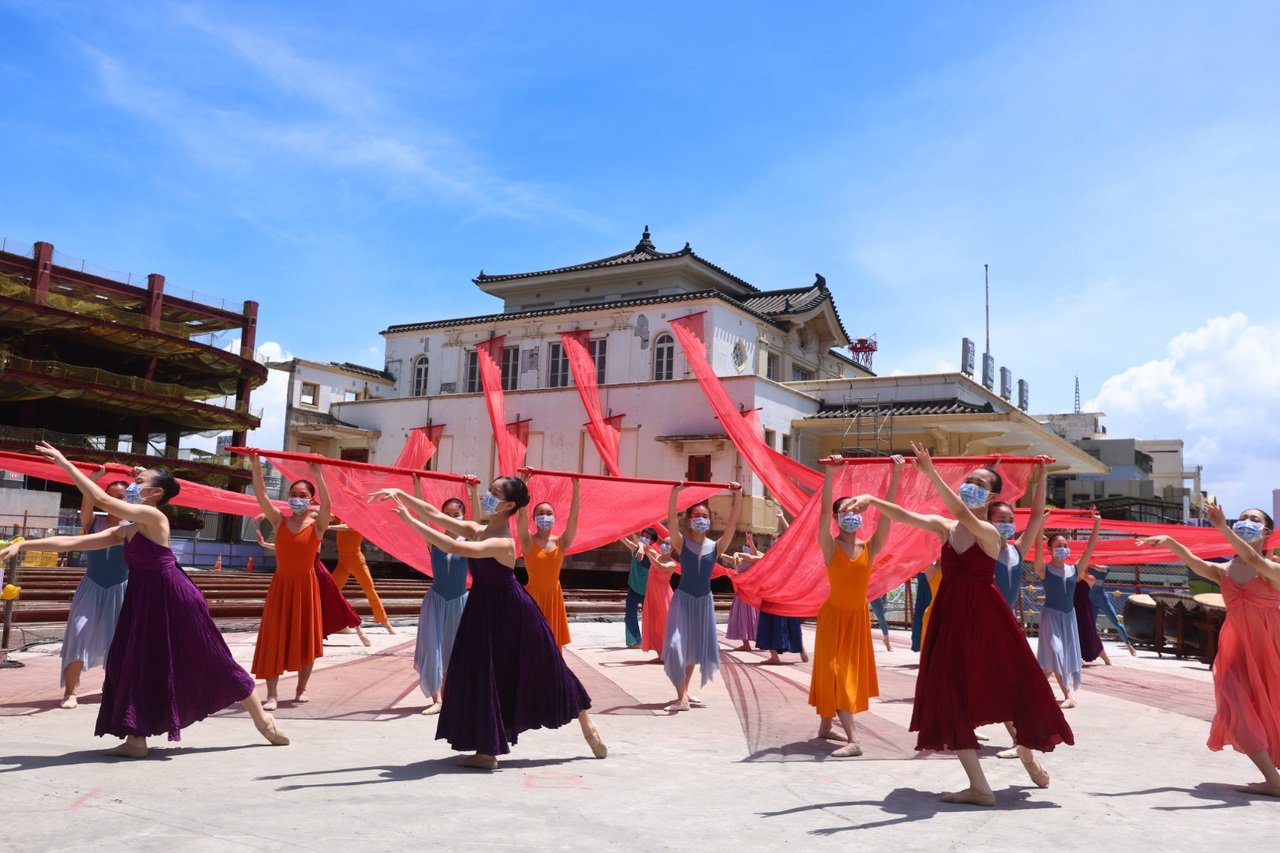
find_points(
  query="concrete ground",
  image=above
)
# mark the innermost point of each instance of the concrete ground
(364, 770)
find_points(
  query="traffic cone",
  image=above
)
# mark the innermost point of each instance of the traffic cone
(249, 566)
(217, 564)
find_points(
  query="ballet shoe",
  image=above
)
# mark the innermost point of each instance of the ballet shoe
(1037, 773)
(695, 702)
(479, 762)
(431, 710)
(270, 704)
(970, 797)
(1011, 752)
(850, 750)
(267, 728)
(598, 749)
(302, 698)
(69, 703)
(676, 706)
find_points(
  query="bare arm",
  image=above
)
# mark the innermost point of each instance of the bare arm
(571, 527)
(1037, 559)
(1205, 569)
(782, 517)
(501, 549)
(673, 520)
(983, 531)
(935, 524)
(428, 513)
(1083, 563)
(260, 492)
(61, 544)
(148, 518)
(882, 524)
(1035, 521)
(827, 542)
(325, 515)
(731, 523)
(1268, 569)
(87, 517)
(522, 530)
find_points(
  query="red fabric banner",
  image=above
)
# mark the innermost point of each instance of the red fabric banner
(1117, 539)
(605, 432)
(750, 442)
(517, 438)
(420, 446)
(511, 449)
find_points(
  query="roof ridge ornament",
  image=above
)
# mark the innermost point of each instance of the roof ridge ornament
(645, 243)
(820, 281)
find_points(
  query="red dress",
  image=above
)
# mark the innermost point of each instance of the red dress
(976, 667)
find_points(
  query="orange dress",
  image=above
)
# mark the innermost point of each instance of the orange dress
(934, 583)
(844, 665)
(351, 562)
(544, 586)
(291, 634)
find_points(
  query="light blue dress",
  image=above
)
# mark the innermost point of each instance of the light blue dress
(1009, 574)
(1103, 605)
(691, 622)
(438, 619)
(1058, 649)
(95, 607)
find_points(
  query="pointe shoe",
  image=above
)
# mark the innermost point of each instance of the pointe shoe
(387, 625)
(69, 702)
(127, 750)
(364, 638)
(888, 644)
(695, 702)
(1011, 752)
(598, 749)
(271, 732)
(1037, 773)
(270, 704)
(479, 762)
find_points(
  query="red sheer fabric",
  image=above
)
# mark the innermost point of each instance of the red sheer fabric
(791, 580)
(1116, 539)
(605, 432)
(748, 440)
(511, 449)
(420, 446)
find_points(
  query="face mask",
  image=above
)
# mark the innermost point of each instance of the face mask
(133, 493)
(1249, 531)
(849, 521)
(700, 524)
(299, 505)
(1006, 529)
(746, 549)
(489, 503)
(973, 495)
(644, 541)
(544, 522)
(666, 548)
(1061, 553)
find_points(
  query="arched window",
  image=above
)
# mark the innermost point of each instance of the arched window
(664, 357)
(420, 366)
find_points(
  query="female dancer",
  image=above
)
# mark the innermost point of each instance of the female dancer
(95, 607)
(1058, 646)
(1246, 672)
(544, 554)
(1009, 563)
(926, 581)
(744, 620)
(506, 671)
(1091, 647)
(351, 562)
(637, 582)
(1102, 604)
(976, 667)
(657, 598)
(442, 606)
(168, 665)
(844, 666)
(290, 635)
(691, 624)
(336, 615)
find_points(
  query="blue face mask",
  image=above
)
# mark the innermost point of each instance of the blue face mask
(489, 503)
(973, 495)
(849, 521)
(665, 548)
(299, 505)
(1061, 553)
(644, 541)
(544, 522)
(133, 493)
(1006, 528)
(1248, 530)
(700, 524)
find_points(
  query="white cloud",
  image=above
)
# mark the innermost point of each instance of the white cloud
(270, 398)
(1217, 389)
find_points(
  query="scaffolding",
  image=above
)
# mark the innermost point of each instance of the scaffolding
(868, 428)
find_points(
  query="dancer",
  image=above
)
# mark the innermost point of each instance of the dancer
(657, 598)
(1091, 647)
(637, 582)
(351, 562)
(168, 665)
(506, 673)
(925, 582)
(877, 609)
(1103, 605)
(1009, 563)
(1058, 646)
(544, 554)
(976, 667)
(933, 579)
(844, 665)
(336, 614)
(442, 606)
(691, 623)
(1246, 672)
(744, 620)
(95, 608)
(290, 635)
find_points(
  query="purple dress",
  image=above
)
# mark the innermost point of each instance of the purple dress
(506, 673)
(1087, 624)
(168, 666)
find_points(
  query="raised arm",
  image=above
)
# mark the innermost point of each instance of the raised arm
(731, 523)
(522, 530)
(1037, 557)
(883, 523)
(673, 521)
(827, 542)
(498, 548)
(325, 515)
(782, 517)
(571, 526)
(1082, 564)
(1268, 569)
(986, 535)
(1035, 521)
(1205, 569)
(428, 512)
(147, 517)
(87, 517)
(260, 492)
(935, 524)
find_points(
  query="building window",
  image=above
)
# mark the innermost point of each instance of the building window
(473, 372)
(310, 395)
(800, 374)
(769, 436)
(786, 444)
(420, 376)
(664, 357)
(557, 366)
(699, 470)
(510, 368)
(771, 366)
(354, 454)
(350, 396)
(599, 349)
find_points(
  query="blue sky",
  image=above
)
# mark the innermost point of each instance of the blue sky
(351, 166)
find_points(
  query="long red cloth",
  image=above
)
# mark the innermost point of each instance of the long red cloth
(511, 449)
(1117, 543)
(605, 432)
(420, 446)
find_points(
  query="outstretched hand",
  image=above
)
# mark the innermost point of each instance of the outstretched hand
(1152, 540)
(860, 503)
(923, 460)
(390, 493)
(53, 454)
(1214, 513)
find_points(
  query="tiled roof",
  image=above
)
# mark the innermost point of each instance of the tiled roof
(644, 252)
(793, 300)
(905, 408)
(364, 371)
